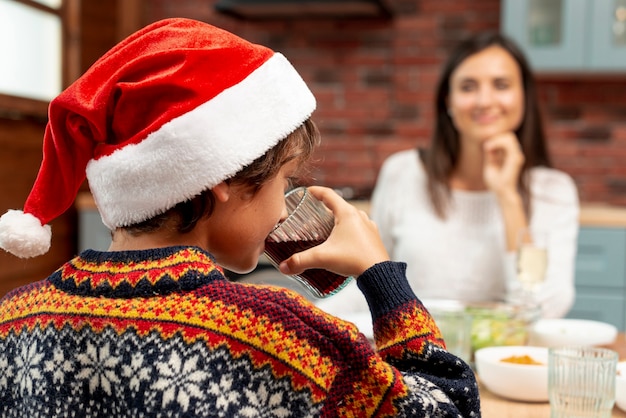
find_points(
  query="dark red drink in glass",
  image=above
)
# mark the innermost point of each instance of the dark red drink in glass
(309, 224)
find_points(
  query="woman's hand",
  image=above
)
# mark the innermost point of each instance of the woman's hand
(353, 246)
(501, 171)
(503, 163)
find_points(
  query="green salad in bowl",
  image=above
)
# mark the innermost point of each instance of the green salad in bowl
(490, 324)
(498, 324)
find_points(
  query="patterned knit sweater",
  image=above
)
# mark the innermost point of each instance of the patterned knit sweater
(162, 333)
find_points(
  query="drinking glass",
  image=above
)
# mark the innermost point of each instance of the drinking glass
(308, 224)
(532, 258)
(581, 382)
(455, 324)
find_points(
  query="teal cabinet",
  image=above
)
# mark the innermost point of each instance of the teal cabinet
(601, 276)
(568, 35)
(607, 42)
(92, 234)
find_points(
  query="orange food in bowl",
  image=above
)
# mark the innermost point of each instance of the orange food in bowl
(512, 380)
(524, 359)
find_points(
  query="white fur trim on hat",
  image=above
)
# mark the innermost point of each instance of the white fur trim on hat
(22, 234)
(201, 148)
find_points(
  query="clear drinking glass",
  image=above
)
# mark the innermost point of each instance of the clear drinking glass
(455, 324)
(581, 382)
(308, 224)
(532, 258)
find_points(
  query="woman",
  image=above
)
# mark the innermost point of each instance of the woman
(454, 211)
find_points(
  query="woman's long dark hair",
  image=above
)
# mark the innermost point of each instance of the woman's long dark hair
(442, 156)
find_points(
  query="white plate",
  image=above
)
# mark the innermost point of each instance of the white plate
(571, 332)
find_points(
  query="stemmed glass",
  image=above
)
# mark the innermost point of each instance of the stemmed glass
(532, 261)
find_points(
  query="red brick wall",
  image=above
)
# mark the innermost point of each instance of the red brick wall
(587, 130)
(374, 82)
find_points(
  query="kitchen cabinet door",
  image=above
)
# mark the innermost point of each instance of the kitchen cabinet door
(608, 37)
(601, 276)
(552, 33)
(600, 258)
(599, 306)
(92, 234)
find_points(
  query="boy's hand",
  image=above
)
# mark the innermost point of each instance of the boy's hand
(353, 246)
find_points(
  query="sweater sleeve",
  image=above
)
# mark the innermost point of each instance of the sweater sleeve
(424, 378)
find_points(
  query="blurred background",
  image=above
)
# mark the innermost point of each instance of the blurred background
(372, 65)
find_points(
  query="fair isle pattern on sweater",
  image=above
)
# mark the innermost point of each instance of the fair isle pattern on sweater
(162, 333)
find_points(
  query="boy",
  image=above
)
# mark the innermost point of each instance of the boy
(189, 136)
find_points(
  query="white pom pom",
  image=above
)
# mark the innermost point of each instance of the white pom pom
(22, 234)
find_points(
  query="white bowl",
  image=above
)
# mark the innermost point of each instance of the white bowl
(520, 382)
(571, 332)
(620, 386)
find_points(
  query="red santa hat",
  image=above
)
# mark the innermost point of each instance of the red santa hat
(169, 112)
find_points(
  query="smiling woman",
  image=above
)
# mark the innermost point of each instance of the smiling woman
(454, 211)
(485, 177)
